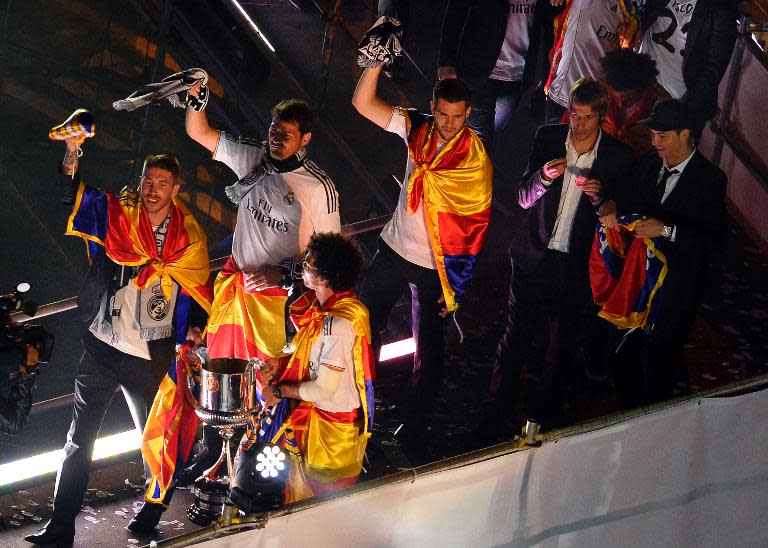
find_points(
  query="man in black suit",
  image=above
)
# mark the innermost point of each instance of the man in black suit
(494, 47)
(682, 195)
(571, 170)
(692, 43)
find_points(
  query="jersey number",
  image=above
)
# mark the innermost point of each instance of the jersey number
(662, 37)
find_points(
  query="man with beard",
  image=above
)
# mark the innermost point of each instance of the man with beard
(283, 198)
(145, 247)
(437, 230)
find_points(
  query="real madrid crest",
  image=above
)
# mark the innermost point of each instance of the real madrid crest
(289, 198)
(157, 307)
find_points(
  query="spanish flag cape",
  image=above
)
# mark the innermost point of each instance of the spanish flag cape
(309, 317)
(171, 428)
(455, 184)
(326, 447)
(629, 32)
(627, 275)
(122, 227)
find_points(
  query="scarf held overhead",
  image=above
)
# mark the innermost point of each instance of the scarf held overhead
(122, 227)
(454, 184)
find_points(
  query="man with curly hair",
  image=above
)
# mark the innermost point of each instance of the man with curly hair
(631, 80)
(326, 389)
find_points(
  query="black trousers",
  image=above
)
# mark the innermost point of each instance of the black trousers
(544, 310)
(647, 367)
(387, 278)
(101, 370)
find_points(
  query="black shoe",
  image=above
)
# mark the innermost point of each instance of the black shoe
(62, 536)
(147, 519)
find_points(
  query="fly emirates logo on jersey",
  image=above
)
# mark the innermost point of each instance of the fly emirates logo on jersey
(609, 32)
(262, 212)
(522, 7)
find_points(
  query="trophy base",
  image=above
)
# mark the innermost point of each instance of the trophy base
(210, 498)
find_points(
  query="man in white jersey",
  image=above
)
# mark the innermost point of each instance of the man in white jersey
(326, 391)
(446, 191)
(691, 42)
(493, 46)
(283, 198)
(585, 31)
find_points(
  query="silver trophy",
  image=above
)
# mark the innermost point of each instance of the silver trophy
(227, 401)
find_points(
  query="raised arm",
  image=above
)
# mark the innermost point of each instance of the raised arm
(197, 125)
(69, 173)
(367, 103)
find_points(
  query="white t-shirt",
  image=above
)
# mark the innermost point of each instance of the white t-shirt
(578, 165)
(281, 212)
(407, 234)
(665, 42)
(592, 30)
(334, 348)
(511, 62)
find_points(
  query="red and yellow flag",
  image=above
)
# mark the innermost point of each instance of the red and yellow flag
(122, 227)
(245, 325)
(455, 184)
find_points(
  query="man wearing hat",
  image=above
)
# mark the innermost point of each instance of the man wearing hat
(682, 196)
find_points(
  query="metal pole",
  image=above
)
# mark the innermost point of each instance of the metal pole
(162, 46)
(329, 37)
(730, 93)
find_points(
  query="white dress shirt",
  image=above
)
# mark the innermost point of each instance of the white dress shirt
(577, 165)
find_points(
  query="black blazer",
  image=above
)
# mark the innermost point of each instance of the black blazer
(473, 33)
(612, 167)
(709, 45)
(696, 207)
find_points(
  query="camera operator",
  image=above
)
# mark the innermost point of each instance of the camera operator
(16, 384)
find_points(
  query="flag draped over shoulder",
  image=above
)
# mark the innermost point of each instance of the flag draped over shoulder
(627, 275)
(326, 447)
(455, 184)
(344, 304)
(171, 427)
(122, 227)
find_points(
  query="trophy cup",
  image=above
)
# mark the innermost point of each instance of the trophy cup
(227, 401)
